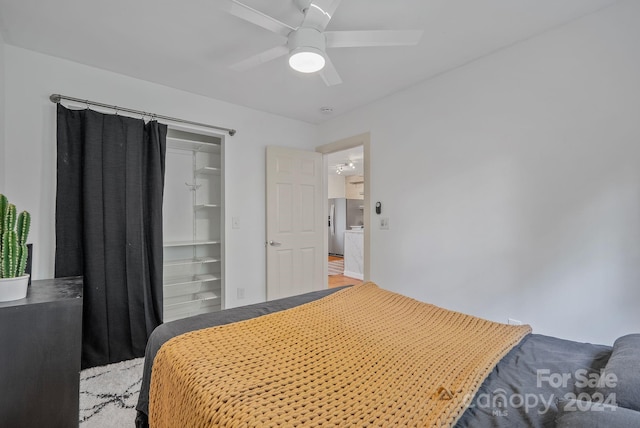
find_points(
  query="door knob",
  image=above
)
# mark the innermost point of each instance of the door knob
(274, 243)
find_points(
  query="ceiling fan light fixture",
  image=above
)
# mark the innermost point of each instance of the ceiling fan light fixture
(307, 59)
(306, 50)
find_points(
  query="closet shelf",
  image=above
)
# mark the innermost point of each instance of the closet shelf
(187, 280)
(189, 243)
(208, 170)
(205, 206)
(207, 295)
(199, 299)
(194, 146)
(194, 261)
(182, 292)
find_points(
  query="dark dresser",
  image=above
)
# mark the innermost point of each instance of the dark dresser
(40, 346)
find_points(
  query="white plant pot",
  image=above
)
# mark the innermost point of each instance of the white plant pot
(13, 288)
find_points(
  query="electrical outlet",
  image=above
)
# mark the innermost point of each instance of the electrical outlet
(235, 222)
(384, 223)
(514, 322)
(240, 293)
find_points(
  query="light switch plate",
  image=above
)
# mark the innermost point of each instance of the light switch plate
(384, 223)
(235, 222)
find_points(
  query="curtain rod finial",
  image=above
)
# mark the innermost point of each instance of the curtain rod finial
(55, 98)
(232, 132)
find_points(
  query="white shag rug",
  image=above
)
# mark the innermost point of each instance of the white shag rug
(108, 394)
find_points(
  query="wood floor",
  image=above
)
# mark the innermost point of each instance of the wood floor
(340, 280)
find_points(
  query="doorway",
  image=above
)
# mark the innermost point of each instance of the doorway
(347, 177)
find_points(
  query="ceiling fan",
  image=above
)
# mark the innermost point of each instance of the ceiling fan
(306, 45)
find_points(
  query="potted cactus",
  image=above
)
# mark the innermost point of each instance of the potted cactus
(13, 251)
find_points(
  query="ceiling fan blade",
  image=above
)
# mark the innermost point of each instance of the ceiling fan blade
(319, 13)
(329, 73)
(261, 58)
(350, 39)
(256, 17)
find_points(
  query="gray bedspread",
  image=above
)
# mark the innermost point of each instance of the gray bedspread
(522, 390)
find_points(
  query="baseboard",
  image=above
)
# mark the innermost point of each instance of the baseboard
(355, 275)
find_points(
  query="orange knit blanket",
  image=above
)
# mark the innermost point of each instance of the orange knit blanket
(362, 356)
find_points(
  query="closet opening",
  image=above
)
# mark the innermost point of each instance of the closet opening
(193, 224)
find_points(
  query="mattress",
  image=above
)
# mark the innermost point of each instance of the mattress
(362, 356)
(512, 394)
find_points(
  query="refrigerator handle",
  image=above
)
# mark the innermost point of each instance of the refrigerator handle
(332, 224)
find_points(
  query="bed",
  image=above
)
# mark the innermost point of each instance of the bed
(527, 380)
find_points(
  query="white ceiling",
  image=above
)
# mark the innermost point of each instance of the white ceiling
(190, 44)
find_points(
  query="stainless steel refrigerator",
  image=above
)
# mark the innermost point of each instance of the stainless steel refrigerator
(343, 213)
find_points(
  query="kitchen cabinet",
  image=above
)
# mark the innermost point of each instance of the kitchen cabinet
(354, 187)
(354, 254)
(193, 225)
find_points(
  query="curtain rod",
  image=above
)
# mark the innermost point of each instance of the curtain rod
(56, 98)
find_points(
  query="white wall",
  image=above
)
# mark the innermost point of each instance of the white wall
(521, 179)
(30, 150)
(521, 174)
(2, 104)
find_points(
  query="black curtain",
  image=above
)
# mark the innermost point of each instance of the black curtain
(110, 180)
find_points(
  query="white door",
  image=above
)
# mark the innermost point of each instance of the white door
(296, 227)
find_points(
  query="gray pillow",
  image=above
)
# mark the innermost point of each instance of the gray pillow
(625, 365)
(585, 414)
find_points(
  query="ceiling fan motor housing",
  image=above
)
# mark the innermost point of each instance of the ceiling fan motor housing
(307, 38)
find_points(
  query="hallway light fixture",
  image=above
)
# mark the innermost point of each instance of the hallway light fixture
(342, 166)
